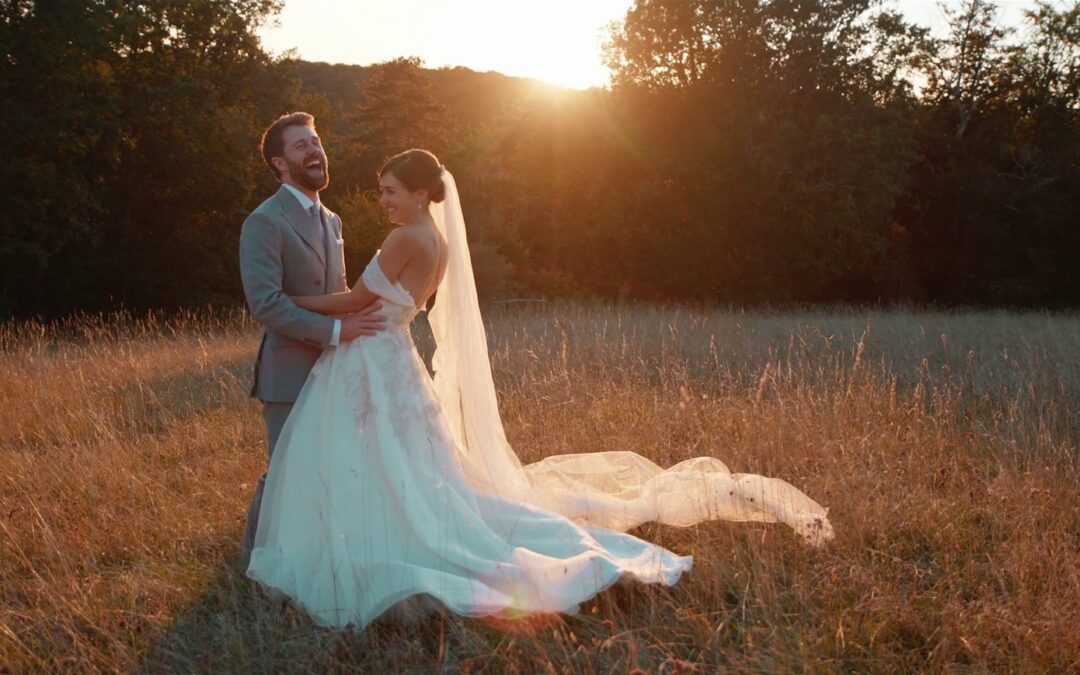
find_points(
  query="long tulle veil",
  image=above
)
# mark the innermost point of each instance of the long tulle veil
(613, 490)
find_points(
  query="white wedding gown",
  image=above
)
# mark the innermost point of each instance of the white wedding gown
(385, 484)
(365, 505)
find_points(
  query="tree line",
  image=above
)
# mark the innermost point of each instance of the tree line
(747, 151)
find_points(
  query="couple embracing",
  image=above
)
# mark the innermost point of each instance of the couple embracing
(387, 485)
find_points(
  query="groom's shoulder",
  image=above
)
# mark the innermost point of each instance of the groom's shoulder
(269, 206)
(268, 211)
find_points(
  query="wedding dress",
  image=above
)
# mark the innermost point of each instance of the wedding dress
(385, 484)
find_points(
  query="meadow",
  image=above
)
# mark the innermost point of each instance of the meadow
(945, 444)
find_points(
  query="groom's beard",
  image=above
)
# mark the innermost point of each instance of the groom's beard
(305, 177)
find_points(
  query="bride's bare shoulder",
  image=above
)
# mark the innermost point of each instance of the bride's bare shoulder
(400, 239)
(397, 249)
(416, 240)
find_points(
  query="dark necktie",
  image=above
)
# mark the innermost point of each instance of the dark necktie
(316, 225)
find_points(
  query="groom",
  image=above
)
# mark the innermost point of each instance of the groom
(292, 245)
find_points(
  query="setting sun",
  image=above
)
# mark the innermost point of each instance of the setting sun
(559, 41)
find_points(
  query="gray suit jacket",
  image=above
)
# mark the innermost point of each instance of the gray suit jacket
(279, 257)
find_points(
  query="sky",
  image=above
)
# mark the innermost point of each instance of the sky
(559, 41)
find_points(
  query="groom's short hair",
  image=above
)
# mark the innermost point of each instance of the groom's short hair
(272, 143)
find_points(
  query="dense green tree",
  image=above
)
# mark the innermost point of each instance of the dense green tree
(399, 111)
(135, 123)
(57, 108)
(992, 210)
(790, 148)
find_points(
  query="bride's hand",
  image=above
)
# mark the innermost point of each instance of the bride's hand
(361, 323)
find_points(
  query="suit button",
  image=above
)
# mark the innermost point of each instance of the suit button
(318, 282)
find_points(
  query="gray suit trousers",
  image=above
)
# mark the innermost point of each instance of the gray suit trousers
(274, 414)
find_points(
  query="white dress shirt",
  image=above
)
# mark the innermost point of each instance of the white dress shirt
(305, 201)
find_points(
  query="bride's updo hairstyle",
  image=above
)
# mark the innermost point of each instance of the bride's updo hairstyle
(417, 169)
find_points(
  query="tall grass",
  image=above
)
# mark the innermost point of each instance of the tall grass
(944, 443)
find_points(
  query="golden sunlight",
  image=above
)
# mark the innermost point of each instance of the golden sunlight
(558, 41)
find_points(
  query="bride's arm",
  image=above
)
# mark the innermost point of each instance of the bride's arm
(396, 251)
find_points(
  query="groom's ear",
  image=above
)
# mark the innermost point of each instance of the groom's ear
(279, 165)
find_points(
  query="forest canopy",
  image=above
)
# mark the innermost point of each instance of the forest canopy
(747, 151)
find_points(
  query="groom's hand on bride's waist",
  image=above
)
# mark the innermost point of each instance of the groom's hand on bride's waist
(364, 322)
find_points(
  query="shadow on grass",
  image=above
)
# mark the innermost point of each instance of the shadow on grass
(234, 627)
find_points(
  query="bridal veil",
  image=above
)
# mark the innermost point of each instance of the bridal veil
(612, 490)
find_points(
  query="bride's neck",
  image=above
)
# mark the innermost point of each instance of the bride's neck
(420, 219)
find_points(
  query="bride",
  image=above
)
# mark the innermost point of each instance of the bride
(386, 484)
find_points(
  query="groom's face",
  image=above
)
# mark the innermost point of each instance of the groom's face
(305, 160)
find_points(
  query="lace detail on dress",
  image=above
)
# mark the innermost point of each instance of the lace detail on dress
(357, 388)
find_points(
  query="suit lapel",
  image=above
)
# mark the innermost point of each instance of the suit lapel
(300, 221)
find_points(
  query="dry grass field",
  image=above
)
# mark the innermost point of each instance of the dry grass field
(945, 445)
